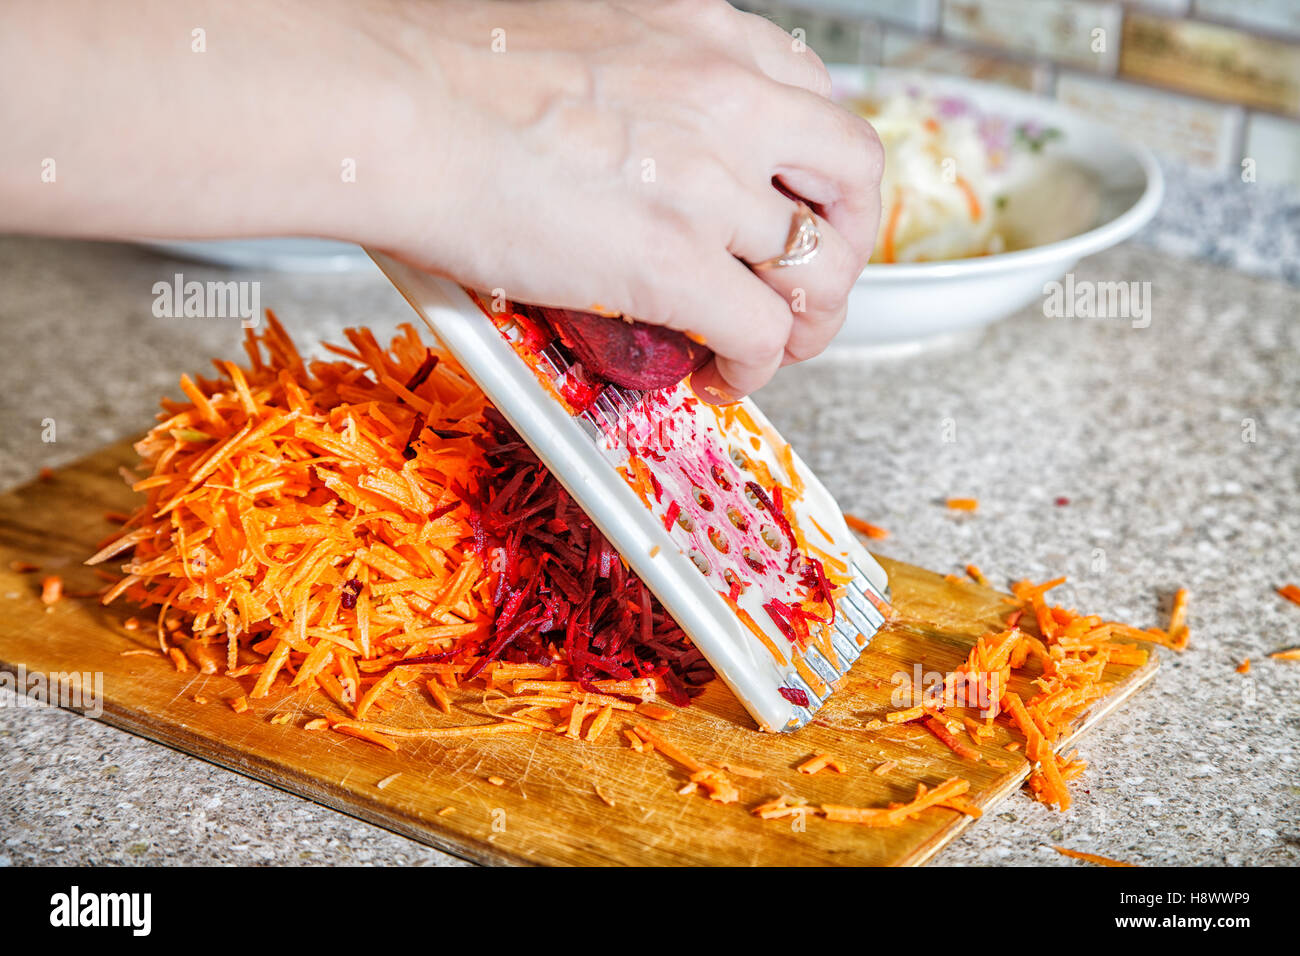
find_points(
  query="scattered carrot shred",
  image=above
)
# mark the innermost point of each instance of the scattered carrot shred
(673, 753)
(742, 771)
(865, 527)
(1091, 857)
(950, 741)
(655, 712)
(963, 504)
(899, 813)
(51, 590)
(366, 734)
(1291, 654)
(1177, 628)
(821, 762)
(1291, 592)
(1244, 667)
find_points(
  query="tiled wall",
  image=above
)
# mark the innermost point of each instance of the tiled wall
(1213, 84)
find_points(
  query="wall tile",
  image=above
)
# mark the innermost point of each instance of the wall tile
(1274, 145)
(920, 15)
(908, 51)
(1174, 7)
(1197, 132)
(835, 39)
(1212, 60)
(1061, 30)
(1280, 15)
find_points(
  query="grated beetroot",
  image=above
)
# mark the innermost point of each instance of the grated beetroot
(561, 585)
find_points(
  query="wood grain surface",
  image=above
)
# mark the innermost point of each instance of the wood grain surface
(548, 810)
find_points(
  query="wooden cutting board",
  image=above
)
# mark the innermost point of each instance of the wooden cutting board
(548, 810)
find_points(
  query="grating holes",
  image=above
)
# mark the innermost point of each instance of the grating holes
(753, 559)
(720, 479)
(701, 499)
(684, 522)
(738, 458)
(770, 537)
(753, 499)
(737, 519)
(718, 541)
(700, 561)
(733, 580)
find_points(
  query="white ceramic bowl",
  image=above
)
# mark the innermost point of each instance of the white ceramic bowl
(1094, 188)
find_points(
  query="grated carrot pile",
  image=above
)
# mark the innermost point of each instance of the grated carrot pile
(295, 516)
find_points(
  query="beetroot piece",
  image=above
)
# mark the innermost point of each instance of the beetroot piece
(794, 696)
(631, 354)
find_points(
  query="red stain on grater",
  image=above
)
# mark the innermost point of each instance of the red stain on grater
(707, 504)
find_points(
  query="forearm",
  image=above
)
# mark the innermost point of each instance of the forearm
(202, 119)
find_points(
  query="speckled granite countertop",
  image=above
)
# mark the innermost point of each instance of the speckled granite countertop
(1141, 429)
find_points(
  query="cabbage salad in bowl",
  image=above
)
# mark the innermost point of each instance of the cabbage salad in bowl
(989, 194)
(948, 171)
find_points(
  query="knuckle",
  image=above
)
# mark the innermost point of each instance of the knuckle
(668, 252)
(715, 11)
(721, 85)
(767, 337)
(865, 141)
(838, 272)
(819, 78)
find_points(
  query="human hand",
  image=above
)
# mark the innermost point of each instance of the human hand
(621, 156)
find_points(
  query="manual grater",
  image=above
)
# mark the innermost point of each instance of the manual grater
(707, 504)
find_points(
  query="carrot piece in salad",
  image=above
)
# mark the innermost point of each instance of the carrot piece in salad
(888, 252)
